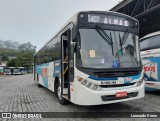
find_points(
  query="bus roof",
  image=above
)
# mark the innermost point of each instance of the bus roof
(150, 35)
(73, 20)
(9, 67)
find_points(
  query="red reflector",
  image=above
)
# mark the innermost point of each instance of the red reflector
(121, 94)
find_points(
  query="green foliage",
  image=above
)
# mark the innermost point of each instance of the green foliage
(27, 47)
(24, 55)
(6, 53)
(25, 59)
(11, 63)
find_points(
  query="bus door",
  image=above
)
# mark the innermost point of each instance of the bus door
(65, 73)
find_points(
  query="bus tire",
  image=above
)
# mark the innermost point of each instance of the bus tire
(61, 99)
(38, 81)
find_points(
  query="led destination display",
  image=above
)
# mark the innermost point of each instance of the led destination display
(107, 19)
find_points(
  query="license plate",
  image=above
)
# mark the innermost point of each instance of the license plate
(108, 83)
(121, 94)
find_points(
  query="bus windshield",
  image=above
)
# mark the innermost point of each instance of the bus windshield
(7, 70)
(150, 43)
(16, 70)
(107, 49)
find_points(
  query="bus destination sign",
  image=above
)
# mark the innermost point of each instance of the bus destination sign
(107, 19)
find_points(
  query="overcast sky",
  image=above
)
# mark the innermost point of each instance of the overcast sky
(36, 21)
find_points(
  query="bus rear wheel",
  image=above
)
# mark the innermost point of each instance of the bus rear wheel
(61, 99)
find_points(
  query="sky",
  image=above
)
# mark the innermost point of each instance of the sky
(36, 21)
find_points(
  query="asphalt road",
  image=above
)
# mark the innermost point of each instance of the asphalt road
(19, 93)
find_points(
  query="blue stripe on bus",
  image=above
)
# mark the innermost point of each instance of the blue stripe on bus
(39, 70)
(157, 60)
(45, 82)
(107, 79)
(115, 78)
(151, 89)
(136, 77)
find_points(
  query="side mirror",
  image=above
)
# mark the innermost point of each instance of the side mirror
(74, 34)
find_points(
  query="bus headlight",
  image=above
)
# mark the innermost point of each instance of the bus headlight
(140, 82)
(94, 87)
(87, 83)
(84, 82)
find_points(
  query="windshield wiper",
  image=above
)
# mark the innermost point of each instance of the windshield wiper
(105, 36)
(123, 39)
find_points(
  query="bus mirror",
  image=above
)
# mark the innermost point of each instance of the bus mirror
(74, 34)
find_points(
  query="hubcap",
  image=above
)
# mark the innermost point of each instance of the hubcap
(59, 92)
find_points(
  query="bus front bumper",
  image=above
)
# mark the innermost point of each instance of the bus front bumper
(86, 96)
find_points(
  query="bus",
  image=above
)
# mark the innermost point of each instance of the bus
(150, 54)
(93, 59)
(8, 70)
(1, 70)
(19, 71)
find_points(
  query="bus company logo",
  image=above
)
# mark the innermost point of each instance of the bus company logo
(6, 115)
(149, 68)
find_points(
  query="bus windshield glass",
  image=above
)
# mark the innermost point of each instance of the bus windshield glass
(7, 70)
(150, 43)
(16, 70)
(98, 48)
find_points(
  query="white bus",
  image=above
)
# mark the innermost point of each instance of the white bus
(19, 70)
(1, 70)
(94, 59)
(8, 70)
(150, 54)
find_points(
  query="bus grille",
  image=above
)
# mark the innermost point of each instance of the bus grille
(116, 85)
(115, 74)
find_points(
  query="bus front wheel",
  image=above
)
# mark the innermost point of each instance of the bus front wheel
(61, 99)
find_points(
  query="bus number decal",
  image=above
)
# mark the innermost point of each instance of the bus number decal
(94, 19)
(128, 78)
(149, 68)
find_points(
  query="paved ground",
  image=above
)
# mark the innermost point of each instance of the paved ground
(21, 94)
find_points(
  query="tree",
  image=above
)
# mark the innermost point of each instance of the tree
(7, 44)
(14, 45)
(6, 54)
(11, 63)
(25, 59)
(27, 47)
(1, 44)
(24, 54)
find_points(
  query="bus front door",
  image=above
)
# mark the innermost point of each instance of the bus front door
(65, 89)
